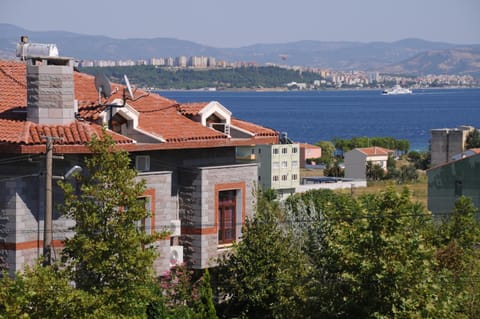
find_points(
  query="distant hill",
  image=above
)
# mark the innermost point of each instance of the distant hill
(399, 55)
(451, 61)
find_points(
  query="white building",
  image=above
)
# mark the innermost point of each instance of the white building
(356, 160)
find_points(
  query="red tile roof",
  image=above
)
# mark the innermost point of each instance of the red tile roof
(12, 81)
(375, 151)
(254, 128)
(28, 133)
(191, 109)
(158, 116)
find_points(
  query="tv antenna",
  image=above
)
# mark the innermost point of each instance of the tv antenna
(127, 82)
(130, 91)
(104, 89)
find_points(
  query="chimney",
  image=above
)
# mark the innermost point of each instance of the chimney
(50, 96)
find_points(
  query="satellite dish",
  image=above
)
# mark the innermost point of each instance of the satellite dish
(129, 87)
(102, 84)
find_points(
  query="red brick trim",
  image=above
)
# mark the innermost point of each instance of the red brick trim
(33, 244)
(214, 229)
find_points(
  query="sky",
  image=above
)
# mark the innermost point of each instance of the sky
(227, 23)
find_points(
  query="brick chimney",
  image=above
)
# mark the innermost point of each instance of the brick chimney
(50, 96)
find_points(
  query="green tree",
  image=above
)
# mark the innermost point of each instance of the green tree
(407, 174)
(45, 292)
(109, 256)
(473, 139)
(376, 262)
(370, 257)
(458, 242)
(374, 171)
(204, 307)
(421, 160)
(262, 277)
(328, 150)
(334, 170)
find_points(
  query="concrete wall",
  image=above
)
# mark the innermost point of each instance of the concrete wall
(337, 185)
(448, 182)
(355, 165)
(447, 142)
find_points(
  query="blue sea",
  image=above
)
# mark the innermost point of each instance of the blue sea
(311, 116)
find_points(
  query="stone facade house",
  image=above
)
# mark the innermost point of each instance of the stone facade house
(186, 153)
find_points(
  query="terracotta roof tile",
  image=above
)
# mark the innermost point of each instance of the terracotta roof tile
(254, 128)
(28, 133)
(375, 150)
(12, 81)
(191, 109)
(158, 116)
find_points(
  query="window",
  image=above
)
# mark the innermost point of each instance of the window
(284, 164)
(284, 177)
(294, 150)
(275, 165)
(294, 164)
(458, 188)
(142, 163)
(294, 177)
(227, 205)
(253, 151)
(284, 150)
(275, 178)
(259, 151)
(275, 151)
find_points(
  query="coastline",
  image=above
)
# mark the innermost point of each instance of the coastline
(282, 89)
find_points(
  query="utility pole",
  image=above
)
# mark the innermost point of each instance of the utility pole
(48, 226)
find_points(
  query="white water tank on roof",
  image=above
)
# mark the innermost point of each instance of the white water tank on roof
(26, 50)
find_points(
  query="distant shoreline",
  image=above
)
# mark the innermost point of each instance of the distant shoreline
(287, 90)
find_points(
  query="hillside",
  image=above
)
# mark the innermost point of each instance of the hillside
(406, 56)
(236, 78)
(450, 61)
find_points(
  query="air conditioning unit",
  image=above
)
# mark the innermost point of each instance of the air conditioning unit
(175, 227)
(176, 255)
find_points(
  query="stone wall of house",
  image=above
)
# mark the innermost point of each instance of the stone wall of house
(22, 208)
(164, 201)
(23, 215)
(198, 188)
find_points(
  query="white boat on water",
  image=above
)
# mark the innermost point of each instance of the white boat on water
(397, 89)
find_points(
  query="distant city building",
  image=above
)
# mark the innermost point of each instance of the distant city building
(157, 61)
(181, 61)
(169, 62)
